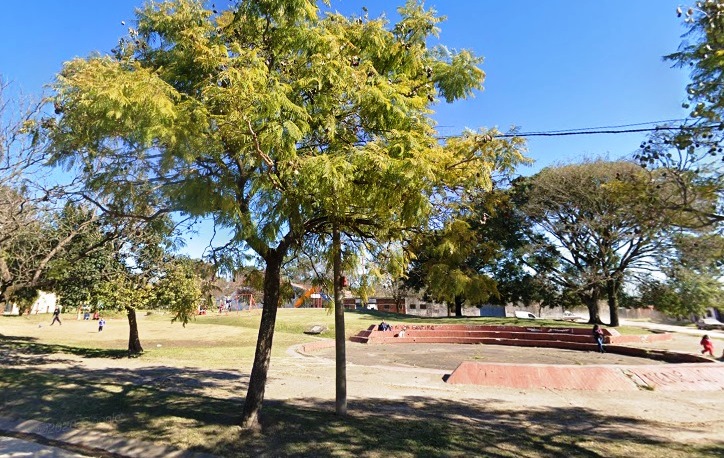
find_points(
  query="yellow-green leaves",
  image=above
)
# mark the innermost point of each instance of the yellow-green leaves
(458, 75)
(106, 99)
(268, 117)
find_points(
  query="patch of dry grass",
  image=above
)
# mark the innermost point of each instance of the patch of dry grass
(187, 390)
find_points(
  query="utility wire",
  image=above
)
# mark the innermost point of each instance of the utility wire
(665, 121)
(595, 132)
(600, 130)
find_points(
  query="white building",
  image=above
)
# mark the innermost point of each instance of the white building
(45, 303)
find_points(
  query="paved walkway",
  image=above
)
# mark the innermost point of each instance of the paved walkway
(673, 328)
(11, 447)
(38, 439)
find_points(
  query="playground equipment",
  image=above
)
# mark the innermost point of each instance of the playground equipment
(246, 301)
(305, 295)
(316, 294)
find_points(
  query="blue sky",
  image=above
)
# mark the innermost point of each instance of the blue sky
(550, 65)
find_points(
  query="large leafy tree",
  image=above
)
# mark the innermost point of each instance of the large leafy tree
(143, 272)
(78, 273)
(43, 239)
(599, 219)
(275, 123)
(514, 244)
(180, 289)
(448, 265)
(31, 230)
(691, 153)
(692, 270)
(489, 252)
(112, 266)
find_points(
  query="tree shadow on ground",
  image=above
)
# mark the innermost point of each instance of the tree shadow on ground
(29, 346)
(199, 409)
(420, 426)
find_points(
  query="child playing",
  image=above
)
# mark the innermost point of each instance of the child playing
(708, 345)
(101, 323)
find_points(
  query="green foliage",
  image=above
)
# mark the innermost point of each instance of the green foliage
(687, 157)
(290, 125)
(24, 297)
(179, 291)
(683, 295)
(77, 273)
(274, 122)
(702, 53)
(447, 263)
(693, 271)
(598, 224)
(599, 219)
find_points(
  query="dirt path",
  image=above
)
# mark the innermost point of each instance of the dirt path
(409, 379)
(407, 372)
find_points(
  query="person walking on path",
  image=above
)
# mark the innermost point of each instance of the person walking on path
(598, 337)
(708, 345)
(56, 317)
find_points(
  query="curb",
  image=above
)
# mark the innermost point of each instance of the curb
(90, 442)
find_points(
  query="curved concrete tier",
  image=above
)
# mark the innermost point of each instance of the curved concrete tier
(525, 336)
(682, 377)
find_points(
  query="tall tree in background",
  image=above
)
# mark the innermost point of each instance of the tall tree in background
(27, 217)
(78, 274)
(691, 154)
(514, 246)
(41, 238)
(274, 122)
(689, 158)
(599, 218)
(142, 260)
(179, 289)
(693, 269)
(448, 266)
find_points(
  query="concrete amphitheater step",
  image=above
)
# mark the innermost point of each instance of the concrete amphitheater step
(682, 377)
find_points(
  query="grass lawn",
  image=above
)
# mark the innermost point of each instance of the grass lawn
(187, 390)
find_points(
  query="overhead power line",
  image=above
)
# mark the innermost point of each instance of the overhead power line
(620, 126)
(596, 132)
(621, 129)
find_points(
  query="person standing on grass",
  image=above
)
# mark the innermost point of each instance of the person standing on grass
(101, 323)
(56, 317)
(708, 345)
(598, 337)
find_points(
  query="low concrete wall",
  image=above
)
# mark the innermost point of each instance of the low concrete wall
(528, 336)
(685, 377)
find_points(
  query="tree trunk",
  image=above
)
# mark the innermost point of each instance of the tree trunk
(262, 357)
(591, 301)
(134, 343)
(339, 339)
(612, 285)
(459, 306)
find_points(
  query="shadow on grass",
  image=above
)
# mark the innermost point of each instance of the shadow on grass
(29, 346)
(199, 409)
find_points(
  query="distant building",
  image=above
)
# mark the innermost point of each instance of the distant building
(409, 306)
(45, 303)
(383, 304)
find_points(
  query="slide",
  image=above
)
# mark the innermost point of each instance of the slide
(300, 300)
